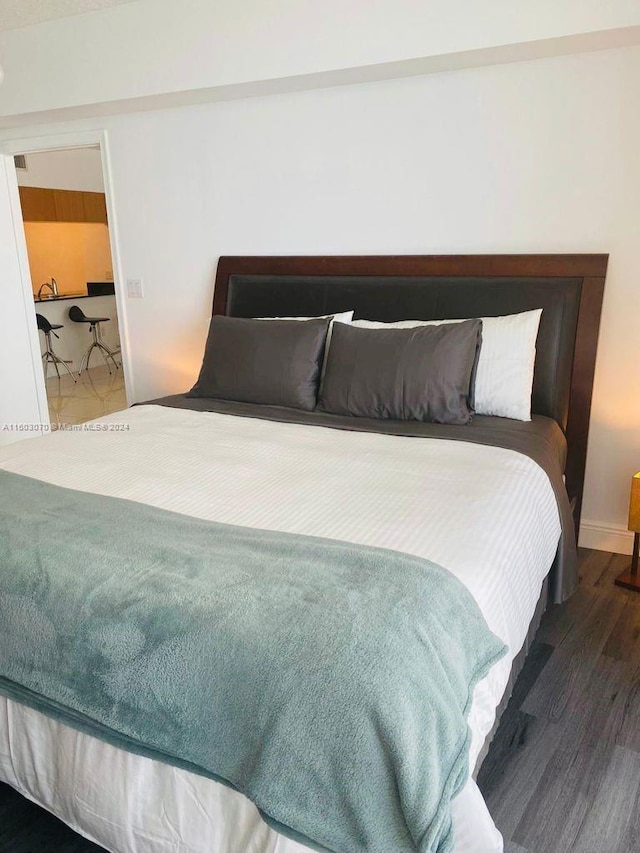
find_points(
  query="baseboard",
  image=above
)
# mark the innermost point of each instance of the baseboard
(605, 537)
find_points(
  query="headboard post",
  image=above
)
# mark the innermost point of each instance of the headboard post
(572, 286)
(584, 363)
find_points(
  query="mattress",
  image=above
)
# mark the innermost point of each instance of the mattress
(487, 514)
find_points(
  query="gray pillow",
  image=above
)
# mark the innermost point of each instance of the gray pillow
(420, 374)
(276, 363)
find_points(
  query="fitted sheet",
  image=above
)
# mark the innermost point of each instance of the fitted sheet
(488, 514)
(540, 438)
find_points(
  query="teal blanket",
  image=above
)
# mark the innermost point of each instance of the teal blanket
(328, 682)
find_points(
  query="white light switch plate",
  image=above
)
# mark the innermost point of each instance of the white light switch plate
(134, 288)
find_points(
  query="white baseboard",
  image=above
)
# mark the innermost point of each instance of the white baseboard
(605, 537)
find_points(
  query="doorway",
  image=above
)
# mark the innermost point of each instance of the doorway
(69, 249)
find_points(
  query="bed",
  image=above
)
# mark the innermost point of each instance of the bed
(493, 502)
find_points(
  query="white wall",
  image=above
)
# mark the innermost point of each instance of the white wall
(529, 157)
(69, 169)
(21, 380)
(155, 47)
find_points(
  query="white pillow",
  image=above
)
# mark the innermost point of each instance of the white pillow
(505, 367)
(343, 317)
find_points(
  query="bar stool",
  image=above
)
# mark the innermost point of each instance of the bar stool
(49, 356)
(78, 316)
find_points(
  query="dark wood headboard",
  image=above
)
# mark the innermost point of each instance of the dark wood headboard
(569, 289)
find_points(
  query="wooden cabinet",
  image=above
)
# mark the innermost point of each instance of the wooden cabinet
(68, 205)
(44, 205)
(95, 207)
(38, 205)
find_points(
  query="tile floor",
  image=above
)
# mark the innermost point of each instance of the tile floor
(94, 394)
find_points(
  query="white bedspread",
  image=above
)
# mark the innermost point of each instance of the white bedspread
(487, 514)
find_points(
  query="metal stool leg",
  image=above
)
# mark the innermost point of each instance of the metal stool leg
(108, 354)
(50, 357)
(84, 363)
(87, 356)
(104, 350)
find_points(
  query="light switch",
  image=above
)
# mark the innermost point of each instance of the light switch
(134, 288)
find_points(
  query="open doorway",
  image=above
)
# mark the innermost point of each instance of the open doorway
(64, 214)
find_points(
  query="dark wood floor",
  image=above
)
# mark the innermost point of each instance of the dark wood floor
(563, 773)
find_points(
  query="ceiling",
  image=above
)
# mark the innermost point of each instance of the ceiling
(22, 13)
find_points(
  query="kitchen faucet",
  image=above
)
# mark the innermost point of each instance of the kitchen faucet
(53, 287)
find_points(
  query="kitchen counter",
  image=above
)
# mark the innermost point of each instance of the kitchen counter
(93, 288)
(44, 298)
